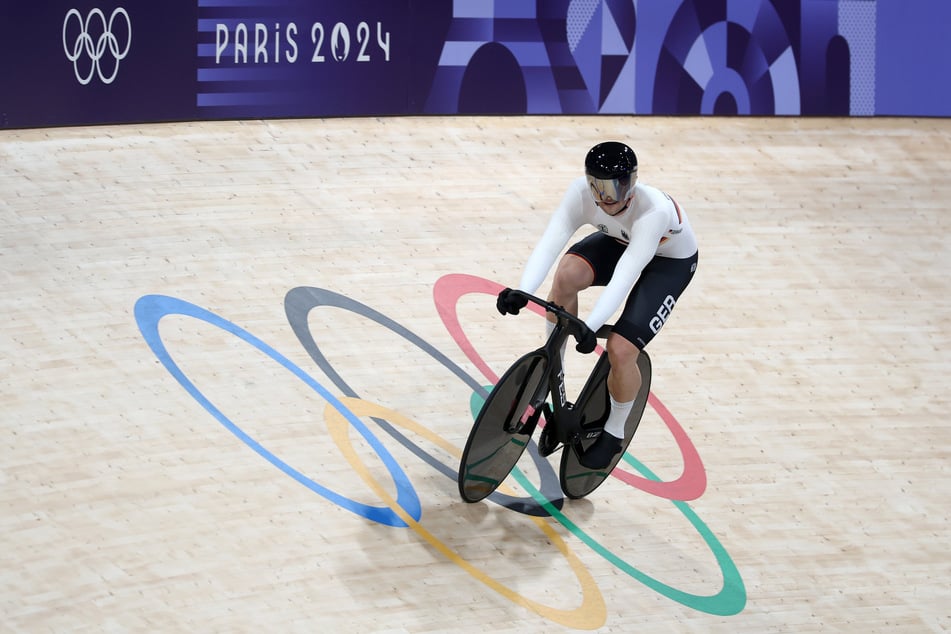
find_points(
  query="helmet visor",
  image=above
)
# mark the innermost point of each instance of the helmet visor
(611, 190)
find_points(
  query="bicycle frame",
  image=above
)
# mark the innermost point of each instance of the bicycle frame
(565, 420)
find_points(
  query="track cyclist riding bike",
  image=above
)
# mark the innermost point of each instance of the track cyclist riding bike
(644, 254)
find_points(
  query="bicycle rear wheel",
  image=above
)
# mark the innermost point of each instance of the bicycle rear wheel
(577, 480)
(503, 427)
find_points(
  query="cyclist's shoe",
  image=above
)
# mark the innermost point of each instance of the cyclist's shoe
(601, 453)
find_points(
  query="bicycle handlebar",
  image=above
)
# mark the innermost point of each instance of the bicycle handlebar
(576, 326)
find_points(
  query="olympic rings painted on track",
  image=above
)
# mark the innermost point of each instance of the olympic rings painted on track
(405, 510)
(692, 482)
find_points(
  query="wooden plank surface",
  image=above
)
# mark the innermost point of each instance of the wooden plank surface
(801, 385)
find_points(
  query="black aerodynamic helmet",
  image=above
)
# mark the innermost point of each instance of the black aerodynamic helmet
(611, 168)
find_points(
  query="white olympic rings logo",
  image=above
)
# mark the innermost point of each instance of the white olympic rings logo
(96, 49)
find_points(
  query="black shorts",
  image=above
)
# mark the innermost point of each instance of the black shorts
(653, 296)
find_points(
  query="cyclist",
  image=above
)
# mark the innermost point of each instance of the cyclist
(644, 253)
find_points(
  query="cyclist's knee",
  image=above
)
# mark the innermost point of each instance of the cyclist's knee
(621, 352)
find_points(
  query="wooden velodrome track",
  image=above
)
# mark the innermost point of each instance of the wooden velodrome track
(182, 451)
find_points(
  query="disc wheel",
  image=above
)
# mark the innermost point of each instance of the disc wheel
(503, 428)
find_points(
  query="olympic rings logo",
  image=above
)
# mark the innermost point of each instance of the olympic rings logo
(94, 48)
(401, 506)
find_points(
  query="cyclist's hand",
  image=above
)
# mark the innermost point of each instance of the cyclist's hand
(587, 341)
(510, 303)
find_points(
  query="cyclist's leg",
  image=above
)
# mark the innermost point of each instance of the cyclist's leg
(624, 380)
(573, 274)
(589, 262)
(647, 309)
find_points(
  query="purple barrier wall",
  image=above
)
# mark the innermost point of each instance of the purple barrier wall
(67, 62)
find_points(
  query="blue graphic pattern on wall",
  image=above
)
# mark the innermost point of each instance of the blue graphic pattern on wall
(746, 57)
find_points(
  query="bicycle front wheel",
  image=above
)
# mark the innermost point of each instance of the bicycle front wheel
(503, 427)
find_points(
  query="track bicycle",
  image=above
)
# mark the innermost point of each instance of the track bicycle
(520, 399)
